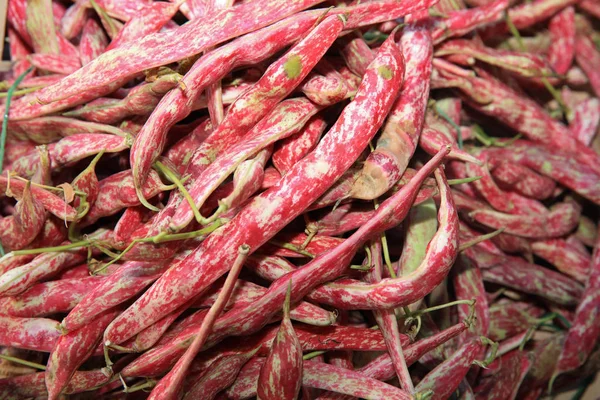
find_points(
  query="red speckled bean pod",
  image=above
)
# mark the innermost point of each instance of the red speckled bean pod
(388, 323)
(148, 19)
(420, 227)
(38, 334)
(293, 148)
(141, 100)
(554, 163)
(93, 41)
(400, 135)
(507, 202)
(586, 120)
(281, 78)
(523, 180)
(156, 49)
(510, 318)
(117, 192)
(562, 45)
(526, 117)
(130, 279)
(286, 119)
(40, 26)
(584, 332)
(406, 289)
(270, 211)
(55, 63)
(71, 350)
(432, 140)
(561, 220)
(221, 374)
(468, 285)
(50, 201)
(508, 373)
(74, 148)
(21, 228)
(524, 64)
(534, 279)
(591, 7)
(528, 14)
(33, 385)
(461, 22)
(49, 297)
(50, 129)
(19, 279)
(588, 58)
(281, 375)
(565, 257)
(327, 266)
(73, 21)
(324, 376)
(446, 377)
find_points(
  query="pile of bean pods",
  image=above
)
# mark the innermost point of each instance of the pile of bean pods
(273, 199)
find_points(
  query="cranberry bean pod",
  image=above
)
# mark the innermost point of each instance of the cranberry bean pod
(222, 374)
(150, 18)
(286, 119)
(586, 120)
(33, 385)
(327, 266)
(461, 22)
(554, 163)
(93, 41)
(525, 65)
(40, 27)
(591, 7)
(421, 226)
(150, 142)
(126, 282)
(404, 290)
(19, 279)
(561, 220)
(56, 64)
(523, 180)
(443, 383)
(71, 350)
(73, 21)
(511, 318)
(49, 297)
(588, 58)
(117, 192)
(75, 148)
(565, 257)
(141, 100)
(504, 383)
(38, 334)
(270, 211)
(562, 34)
(324, 376)
(401, 132)
(584, 332)
(281, 375)
(526, 117)
(293, 148)
(50, 201)
(534, 279)
(156, 49)
(20, 229)
(468, 285)
(49, 129)
(388, 323)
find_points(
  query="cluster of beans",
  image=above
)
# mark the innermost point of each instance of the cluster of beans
(273, 199)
